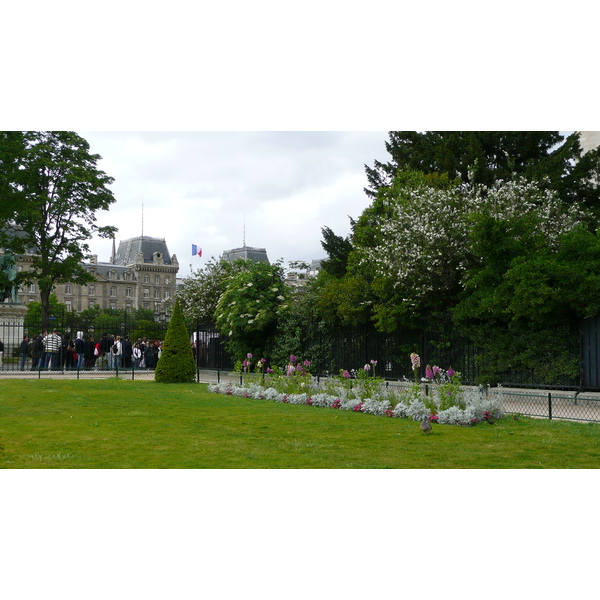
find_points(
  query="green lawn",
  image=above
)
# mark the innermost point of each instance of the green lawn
(112, 423)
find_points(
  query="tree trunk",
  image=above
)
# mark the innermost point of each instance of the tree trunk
(45, 300)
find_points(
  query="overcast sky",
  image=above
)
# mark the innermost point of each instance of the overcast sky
(200, 187)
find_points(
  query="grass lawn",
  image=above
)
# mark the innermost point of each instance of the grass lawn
(118, 424)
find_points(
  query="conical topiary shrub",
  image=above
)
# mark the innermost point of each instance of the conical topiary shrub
(176, 364)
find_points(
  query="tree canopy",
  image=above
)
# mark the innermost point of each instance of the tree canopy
(52, 189)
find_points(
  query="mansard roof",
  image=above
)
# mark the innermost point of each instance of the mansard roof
(246, 253)
(148, 246)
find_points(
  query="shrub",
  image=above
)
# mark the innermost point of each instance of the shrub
(176, 364)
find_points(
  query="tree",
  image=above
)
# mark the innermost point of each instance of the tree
(54, 190)
(176, 364)
(199, 295)
(338, 250)
(33, 316)
(543, 156)
(248, 311)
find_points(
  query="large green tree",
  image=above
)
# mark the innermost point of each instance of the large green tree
(52, 188)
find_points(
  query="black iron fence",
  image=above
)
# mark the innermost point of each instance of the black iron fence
(331, 351)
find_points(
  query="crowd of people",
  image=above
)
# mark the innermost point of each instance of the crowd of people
(50, 350)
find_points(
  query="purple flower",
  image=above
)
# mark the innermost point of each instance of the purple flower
(428, 372)
(249, 355)
(373, 362)
(436, 371)
(367, 368)
(293, 359)
(269, 370)
(309, 401)
(451, 372)
(346, 374)
(263, 360)
(307, 363)
(389, 413)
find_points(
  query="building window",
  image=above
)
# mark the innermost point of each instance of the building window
(112, 275)
(157, 292)
(68, 288)
(147, 305)
(157, 279)
(69, 306)
(32, 288)
(113, 291)
(146, 278)
(167, 280)
(167, 294)
(157, 306)
(91, 290)
(113, 306)
(128, 308)
(127, 292)
(146, 292)
(91, 304)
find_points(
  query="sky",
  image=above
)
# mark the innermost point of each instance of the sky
(208, 188)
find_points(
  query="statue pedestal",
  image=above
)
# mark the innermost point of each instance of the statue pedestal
(12, 318)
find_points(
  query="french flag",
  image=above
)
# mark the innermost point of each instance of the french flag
(196, 250)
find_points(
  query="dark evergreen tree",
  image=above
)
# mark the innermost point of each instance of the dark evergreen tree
(493, 155)
(176, 364)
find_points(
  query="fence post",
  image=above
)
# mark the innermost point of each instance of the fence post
(549, 405)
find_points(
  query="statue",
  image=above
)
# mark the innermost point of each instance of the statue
(8, 274)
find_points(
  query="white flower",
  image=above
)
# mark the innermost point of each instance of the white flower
(249, 284)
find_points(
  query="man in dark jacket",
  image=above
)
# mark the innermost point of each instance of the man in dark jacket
(127, 349)
(23, 350)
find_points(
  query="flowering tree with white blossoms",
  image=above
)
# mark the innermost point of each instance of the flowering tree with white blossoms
(422, 254)
(249, 308)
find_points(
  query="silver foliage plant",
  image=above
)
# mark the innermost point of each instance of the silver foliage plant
(472, 404)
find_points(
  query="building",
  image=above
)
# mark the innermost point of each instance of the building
(140, 274)
(246, 253)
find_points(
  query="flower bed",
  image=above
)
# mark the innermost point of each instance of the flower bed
(443, 400)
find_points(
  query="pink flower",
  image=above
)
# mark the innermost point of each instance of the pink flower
(428, 372)
(269, 370)
(249, 355)
(306, 363)
(432, 418)
(373, 362)
(436, 371)
(293, 359)
(451, 372)
(389, 413)
(346, 374)
(309, 401)
(263, 360)
(367, 368)
(336, 403)
(415, 359)
(358, 407)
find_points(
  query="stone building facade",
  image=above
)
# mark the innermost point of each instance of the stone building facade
(140, 274)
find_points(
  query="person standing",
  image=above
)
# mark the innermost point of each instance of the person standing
(52, 345)
(34, 350)
(117, 353)
(23, 349)
(1, 353)
(88, 353)
(41, 350)
(127, 352)
(105, 350)
(80, 350)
